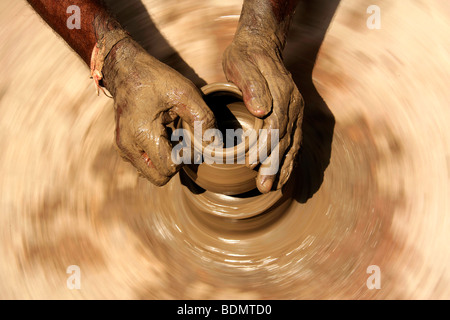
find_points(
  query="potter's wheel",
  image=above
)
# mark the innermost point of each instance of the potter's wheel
(371, 188)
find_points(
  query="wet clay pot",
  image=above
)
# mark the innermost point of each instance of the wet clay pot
(227, 189)
(223, 169)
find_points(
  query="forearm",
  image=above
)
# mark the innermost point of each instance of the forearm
(82, 40)
(267, 18)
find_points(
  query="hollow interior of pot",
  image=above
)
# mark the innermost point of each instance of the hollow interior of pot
(223, 167)
(237, 129)
(233, 119)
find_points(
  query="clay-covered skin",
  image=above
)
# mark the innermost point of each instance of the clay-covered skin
(149, 95)
(371, 188)
(254, 62)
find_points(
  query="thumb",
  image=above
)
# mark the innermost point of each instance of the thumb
(251, 82)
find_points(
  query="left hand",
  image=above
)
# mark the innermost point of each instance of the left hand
(255, 65)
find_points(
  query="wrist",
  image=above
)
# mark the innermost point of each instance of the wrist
(108, 34)
(114, 68)
(266, 20)
(257, 39)
(260, 35)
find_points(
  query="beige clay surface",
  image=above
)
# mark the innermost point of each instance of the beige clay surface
(372, 187)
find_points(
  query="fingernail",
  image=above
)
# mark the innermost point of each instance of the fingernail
(266, 185)
(255, 107)
(259, 112)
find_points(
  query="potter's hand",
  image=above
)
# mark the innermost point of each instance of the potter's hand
(149, 95)
(253, 62)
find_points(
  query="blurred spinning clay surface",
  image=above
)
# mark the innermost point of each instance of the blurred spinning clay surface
(372, 187)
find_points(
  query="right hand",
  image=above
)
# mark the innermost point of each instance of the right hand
(149, 95)
(253, 62)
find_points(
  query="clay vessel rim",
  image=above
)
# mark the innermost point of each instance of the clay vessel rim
(238, 151)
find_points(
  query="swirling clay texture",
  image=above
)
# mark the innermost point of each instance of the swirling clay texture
(372, 186)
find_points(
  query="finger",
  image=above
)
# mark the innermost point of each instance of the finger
(264, 183)
(277, 121)
(290, 158)
(139, 158)
(155, 143)
(270, 166)
(251, 82)
(267, 136)
(281, 95)
(295, 128)
(146, 168)
(190, 107)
